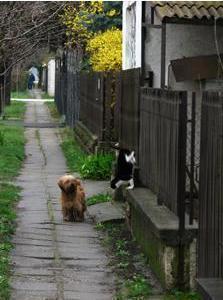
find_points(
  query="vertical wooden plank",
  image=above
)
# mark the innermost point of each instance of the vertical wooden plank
(210, 246)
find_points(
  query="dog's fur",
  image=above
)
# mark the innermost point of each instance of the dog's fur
(72, 198)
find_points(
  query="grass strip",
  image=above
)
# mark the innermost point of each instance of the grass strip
(53, 110)
(20, 94)
(12, 153)
(15, 111)
(9, 195)
(28, 95)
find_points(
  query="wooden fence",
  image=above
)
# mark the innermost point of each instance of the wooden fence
(67, 85)
(92, 102)
(210, 262)
(128, 109)
(162, 154)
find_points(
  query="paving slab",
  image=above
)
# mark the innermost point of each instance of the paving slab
(105, 212)
(52, 259)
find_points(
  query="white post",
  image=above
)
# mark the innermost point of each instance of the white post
(51, 78)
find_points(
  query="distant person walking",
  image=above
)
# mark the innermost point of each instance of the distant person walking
(31, 81)
(34, 71)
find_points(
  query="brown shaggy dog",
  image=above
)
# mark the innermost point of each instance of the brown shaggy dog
(72, 198)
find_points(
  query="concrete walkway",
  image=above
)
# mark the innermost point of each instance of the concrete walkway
(52, 259)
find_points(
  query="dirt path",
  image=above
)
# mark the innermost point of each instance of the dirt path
(53, 260)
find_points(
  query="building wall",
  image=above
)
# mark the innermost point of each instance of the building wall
(51, 77)
(181, 41)
(132, 24)
(153, 54)
(186, 41)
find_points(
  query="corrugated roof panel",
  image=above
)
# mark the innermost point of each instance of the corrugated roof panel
(212, 11)
(188, 9)
(205, 12)
(187, 12)
(220, 10)
(178, 11)
(164, 11)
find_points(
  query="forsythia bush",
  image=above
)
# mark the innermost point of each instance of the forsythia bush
(105, 50)
(78, 19)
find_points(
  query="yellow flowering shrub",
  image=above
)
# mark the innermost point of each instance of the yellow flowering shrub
(105, 50)
(78, 18)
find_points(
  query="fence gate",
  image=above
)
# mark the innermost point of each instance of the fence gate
(210, 249)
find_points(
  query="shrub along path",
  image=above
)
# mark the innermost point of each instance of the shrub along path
(52, 259)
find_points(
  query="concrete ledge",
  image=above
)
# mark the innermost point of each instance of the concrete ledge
(210, 288)
(155, 228)
(162, 222)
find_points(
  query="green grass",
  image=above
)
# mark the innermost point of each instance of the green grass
(178, 295)
(53, 109)
(47, 96)
(95, 166)
(28, 94)
(20, 94)
(12, 154)
(135, 288)
(11, 151)
(15, 110)
(9, 195)
(100, 198)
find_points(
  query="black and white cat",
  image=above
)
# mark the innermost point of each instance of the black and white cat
(124, 169)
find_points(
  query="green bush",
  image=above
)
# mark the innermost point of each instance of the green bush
(94, 166)
(97, 167)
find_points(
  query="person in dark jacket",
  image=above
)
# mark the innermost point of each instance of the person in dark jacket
(30, 81)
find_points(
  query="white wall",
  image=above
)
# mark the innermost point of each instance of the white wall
(51, 77)
(131, 28)
(153, 54)
(181, 41)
